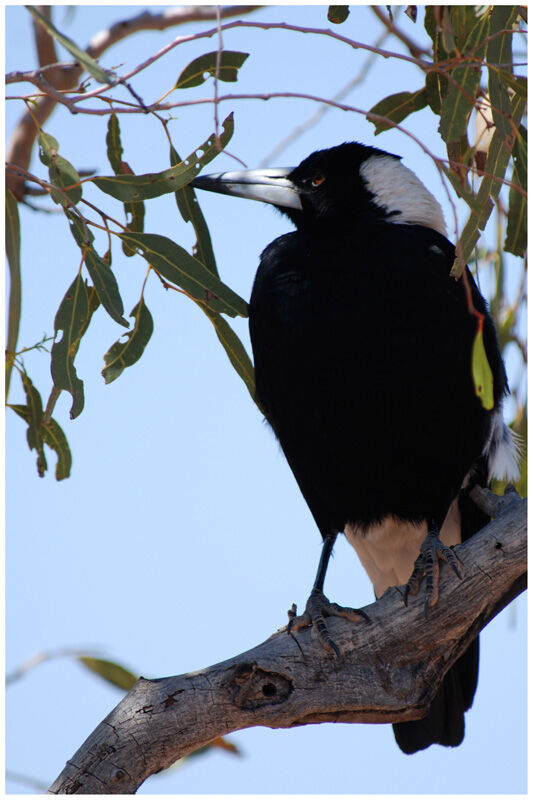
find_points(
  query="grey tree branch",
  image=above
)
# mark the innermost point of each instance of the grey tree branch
(65, 77)
(389, 671)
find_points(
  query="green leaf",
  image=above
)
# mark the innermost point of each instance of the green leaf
(482, 373)
(15, 284)
(124, 354)
(71, 319)
(190, 210)
(135, 188)
(499, 51)
(396, 107)
(433, 85)
(104, 281)
(463, 18)
(518, 83)
(464, 191)
(199, 70)
(235, 351)
(111, 671)
(516, 237)
(448, 38)
(106, 286)
(55, 438)
(460, 97)
(135, 212)
(114, 144)
(338, 14)
(177, 266)
(34, 420)
(60, 171)
(80, 55)
(497, 160)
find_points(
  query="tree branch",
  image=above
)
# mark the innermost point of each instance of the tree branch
(67, 76)
(389, 670)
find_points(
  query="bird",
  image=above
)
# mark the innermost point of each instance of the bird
(362, 344)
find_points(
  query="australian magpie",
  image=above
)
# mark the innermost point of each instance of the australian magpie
(362, 344)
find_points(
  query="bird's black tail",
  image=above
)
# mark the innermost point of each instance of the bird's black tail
(444, 724)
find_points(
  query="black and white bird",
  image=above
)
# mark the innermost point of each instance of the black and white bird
(362, 345)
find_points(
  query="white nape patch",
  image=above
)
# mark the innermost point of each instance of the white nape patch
(503, 449)
(389, 550)
(396, 188)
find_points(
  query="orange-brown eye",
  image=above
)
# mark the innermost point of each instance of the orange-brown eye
(317, 179)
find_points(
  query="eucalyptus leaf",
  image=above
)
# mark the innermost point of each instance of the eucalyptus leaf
(80, 55)
(338, 14)
(203, 67)
(135, 212)
(464, 81)
(12, 236)
(190, 210)
(110, 671)
(60, 171)
(34, 419)
(482, 373)
(124, 354)
(175, 264)
(397, 107)
(71, 321)
(499, 51)
(135, 188)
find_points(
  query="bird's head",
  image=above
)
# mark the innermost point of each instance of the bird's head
(337, 188)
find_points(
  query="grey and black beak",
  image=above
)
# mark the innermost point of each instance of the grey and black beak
(267, 185)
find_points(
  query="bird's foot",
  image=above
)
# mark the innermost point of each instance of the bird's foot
(317, 607)
(427, 566)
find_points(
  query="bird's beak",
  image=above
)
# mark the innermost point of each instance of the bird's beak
(268, 185)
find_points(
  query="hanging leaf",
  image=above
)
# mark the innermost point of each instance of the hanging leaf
(60, 171)
(497, 160)
(54, 437)
(71, 320)
(110, 671)
(34, 419)
(235, 351)
(104, 280)
(204, 67)
(124, 354)
(499, 51)
(134, 188)
(190, 210)
(338, 14)
(482, 373)
(12, 234)
(397, 107)
(460, 97)
(80, 55)
(177, 266)
(135, 212)
(516, 237)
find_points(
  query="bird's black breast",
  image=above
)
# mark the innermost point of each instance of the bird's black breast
(362, 346)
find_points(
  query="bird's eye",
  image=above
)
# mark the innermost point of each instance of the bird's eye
(317, 179)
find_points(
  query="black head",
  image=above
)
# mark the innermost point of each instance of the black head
(341, 187)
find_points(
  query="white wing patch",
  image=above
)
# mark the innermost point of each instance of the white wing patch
(389, 550)
(396, 188)
(503, 450)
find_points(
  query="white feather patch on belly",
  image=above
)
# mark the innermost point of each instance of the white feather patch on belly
(389, 550)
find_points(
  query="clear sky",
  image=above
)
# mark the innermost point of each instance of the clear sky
(181, 538)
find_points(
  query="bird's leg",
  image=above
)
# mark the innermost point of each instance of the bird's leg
(427, 566)
(318, 606)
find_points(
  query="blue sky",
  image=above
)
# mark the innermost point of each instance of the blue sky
(181, 538)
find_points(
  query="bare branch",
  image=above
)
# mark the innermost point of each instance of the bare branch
(22, 140)
(282, 683)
